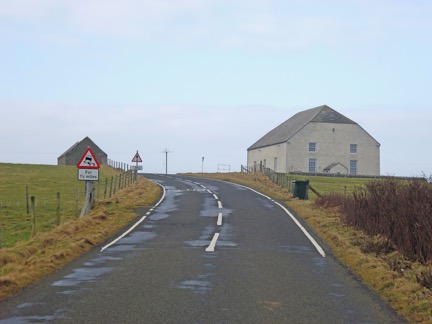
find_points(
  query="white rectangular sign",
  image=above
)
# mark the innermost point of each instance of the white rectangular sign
(136, 167)
(88, 174)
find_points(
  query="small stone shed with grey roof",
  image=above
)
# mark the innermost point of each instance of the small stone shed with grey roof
(317, 140)
(76, 151)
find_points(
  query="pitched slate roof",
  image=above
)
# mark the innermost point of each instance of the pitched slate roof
(87, 139)
(283, 132)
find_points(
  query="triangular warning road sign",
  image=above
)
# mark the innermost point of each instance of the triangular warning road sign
(137, 158)
(88, 161)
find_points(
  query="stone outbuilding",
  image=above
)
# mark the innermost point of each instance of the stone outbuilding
(317, 140)
(76, 151)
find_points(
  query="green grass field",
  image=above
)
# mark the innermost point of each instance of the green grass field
(43, 182)
(332, 185)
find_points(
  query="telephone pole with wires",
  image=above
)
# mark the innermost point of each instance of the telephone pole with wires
(166, 160)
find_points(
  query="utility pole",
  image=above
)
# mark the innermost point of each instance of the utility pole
(166, 160)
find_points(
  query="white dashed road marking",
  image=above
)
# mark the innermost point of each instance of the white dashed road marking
(212, 245)
(219, 221)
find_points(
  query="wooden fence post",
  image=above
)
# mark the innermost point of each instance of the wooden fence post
(33, 209)
(27, 201)
(115, 185)
(111, 184)
(106, 187)
(58, 209)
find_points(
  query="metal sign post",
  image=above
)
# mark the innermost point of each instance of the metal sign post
(88, 171)
(136, 158)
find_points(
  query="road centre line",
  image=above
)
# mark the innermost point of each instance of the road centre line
(219, 221)
(138, 222)
(219, 218)
(213, 242)
(212, 245)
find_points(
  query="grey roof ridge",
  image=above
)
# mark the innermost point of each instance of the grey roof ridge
(303, 124)
(69, 149)
(72, 147)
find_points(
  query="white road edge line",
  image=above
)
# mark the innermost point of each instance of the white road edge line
(219, 220)
(212, 245)
(220, 204)
(305, 232)
(138, 222)
(215, 197)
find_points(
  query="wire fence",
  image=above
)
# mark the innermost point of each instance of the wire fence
(322, 183)
(41, 209)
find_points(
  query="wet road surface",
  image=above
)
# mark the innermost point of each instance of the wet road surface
(208, 252)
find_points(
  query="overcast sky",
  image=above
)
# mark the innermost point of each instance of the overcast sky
(208, 78)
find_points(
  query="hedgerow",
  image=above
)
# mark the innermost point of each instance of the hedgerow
(396, 215)
(399, 211)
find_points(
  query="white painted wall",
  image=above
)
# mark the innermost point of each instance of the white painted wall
(268, 154)
(332, 146)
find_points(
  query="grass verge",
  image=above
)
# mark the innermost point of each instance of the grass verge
(28, 262)
(43, 182)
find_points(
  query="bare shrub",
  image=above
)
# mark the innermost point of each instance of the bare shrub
(330, 201)
(399, 211)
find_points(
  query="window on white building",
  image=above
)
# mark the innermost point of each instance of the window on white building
(353, 148)
(353, 167)
(312, 147)
(312, 165)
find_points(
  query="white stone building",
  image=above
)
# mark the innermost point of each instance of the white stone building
(317, 140)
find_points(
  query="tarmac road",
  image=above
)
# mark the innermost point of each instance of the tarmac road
(209, 252)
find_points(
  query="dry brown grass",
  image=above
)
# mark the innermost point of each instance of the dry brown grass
(28, 262)
(391, 276)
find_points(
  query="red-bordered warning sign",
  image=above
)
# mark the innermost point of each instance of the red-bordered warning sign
(137, 158)
(88, 161)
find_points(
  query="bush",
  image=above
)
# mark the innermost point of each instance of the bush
(330, 201)
(400, 211)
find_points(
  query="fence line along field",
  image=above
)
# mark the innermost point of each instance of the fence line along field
(57, 192)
